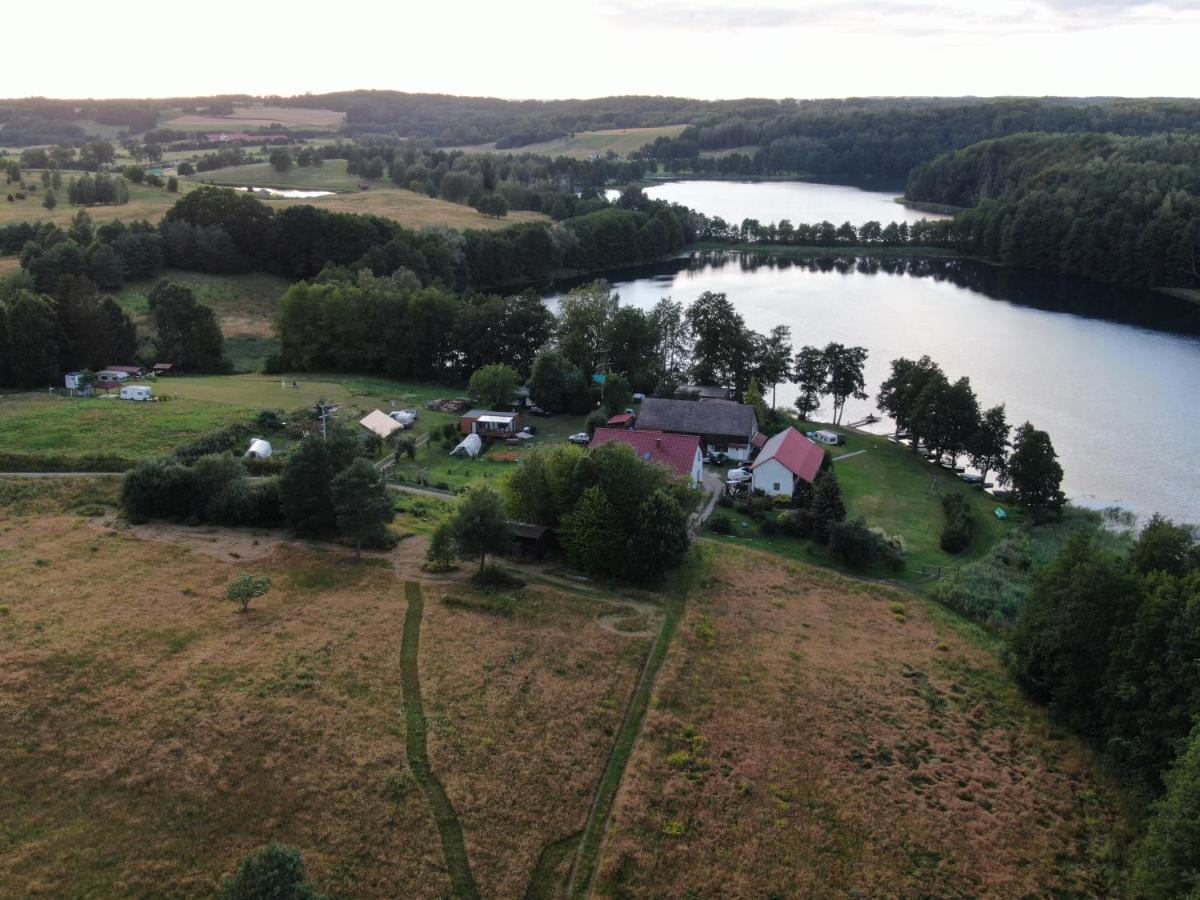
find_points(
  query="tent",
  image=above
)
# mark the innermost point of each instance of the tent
(469, 446)
(380, 423)
(259, 449)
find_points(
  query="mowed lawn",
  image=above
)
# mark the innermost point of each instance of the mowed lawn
(133, 694)
(41, 424)
(808, 731)
(584, 144)
(894, 490)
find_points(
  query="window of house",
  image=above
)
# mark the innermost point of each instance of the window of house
(777, 485)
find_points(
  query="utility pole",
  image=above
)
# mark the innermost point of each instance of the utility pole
(323, 415)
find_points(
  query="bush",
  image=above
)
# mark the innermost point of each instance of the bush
(797, 523)
(858, 546)
(159, 488)
(959, 529)
(768, 526)
(275, 872)
(720, 524)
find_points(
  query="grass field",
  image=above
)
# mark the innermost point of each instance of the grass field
(145, 202)
(812, 736)
(895, 490)
(584, 144)
(328, 177)
(40, 424)
(133, 693)
(251, 118)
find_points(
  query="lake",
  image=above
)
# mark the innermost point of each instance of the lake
(797, 201)
(1113, 375)
(289, 193)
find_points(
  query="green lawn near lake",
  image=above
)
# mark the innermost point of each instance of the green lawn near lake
(897, 491)
(331, 176)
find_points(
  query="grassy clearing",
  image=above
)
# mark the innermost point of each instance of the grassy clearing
(331, 176)
(809, 731)
(245, 304)
(250, 118)
(145, 202)
(584, 144)
(132, 692)
(413, 210)
(522, 706)
(37, 423)
(462, 882)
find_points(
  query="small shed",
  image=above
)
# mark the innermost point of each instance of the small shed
(131, 371)
(163, 368)
(71, 380)
(380, 423)
(489, 424)
(112, 376)
(622, 420)
(530, 541)
(135, 392)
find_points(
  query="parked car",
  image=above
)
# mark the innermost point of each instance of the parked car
(580, 437)
(738, 475)
(529, 430)
(538, 411)
(716, 459)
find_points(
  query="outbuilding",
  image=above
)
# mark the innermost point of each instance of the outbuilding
(489, 424)
(786, 459)
(380, 423)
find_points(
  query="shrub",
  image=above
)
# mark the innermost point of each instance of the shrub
(768, 526)
(246, 587)
(858, 546)
(276, 871)
(797, 523)
(725, 501)
(959, 529)
(720, 524)
(158, 488)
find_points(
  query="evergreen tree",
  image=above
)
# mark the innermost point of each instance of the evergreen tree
(362, 504)
(659, 539)
(827, 506)
(272, 873)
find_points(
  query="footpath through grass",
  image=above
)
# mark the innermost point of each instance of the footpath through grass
(588, 854)
(448, 825)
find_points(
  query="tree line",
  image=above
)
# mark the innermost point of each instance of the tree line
(1109, 640)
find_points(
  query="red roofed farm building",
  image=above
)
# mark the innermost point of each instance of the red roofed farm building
(786, 457)
(678, 452)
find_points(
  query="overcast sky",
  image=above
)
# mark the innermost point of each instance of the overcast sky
(581, 48)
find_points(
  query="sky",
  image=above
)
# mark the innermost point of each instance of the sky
(547, 49)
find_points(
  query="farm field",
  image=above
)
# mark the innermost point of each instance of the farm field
(890, 487)
(43, 425)
(808, 731)
(132, 692)
(331, 176)
(145, 202)
(252, 118)
(584, 144)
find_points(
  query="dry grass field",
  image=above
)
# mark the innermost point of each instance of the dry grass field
(249, 118)
(413, 210)
(811, 735)
(585, 144)
(151, 734)
(145, 202)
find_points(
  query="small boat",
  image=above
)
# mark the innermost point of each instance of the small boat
(971, 479)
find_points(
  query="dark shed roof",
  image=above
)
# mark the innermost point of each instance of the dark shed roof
(711, 417)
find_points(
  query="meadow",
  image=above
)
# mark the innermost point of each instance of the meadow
(810, 734)
(145, 202)
(132, 692)
(585, 144)
(251, 118)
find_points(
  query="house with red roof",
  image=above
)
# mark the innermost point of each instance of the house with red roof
(787, 457)
(678, 452)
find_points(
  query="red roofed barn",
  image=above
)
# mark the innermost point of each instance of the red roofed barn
(784, 458)
(678, 452)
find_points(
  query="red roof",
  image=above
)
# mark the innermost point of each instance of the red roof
(677, 451)
(799, 455)
(621, 419)
(759, 440)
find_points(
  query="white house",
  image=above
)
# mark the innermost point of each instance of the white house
(786, 458)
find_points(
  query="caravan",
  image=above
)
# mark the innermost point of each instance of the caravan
(135, 392)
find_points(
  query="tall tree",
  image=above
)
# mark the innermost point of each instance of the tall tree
(362, 504)
(479, 525)
(773, 359)
(673, 339)
(845, 366)
(810, 370)
(493, 386)
(719, 333)
(988, 446)
(1168, 864)
(1036, 474)
(584, 315)
(188, 333)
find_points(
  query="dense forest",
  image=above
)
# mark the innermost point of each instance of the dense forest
(1106, 207)
(887, 138)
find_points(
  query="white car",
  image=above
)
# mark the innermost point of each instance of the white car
(580, 437)
(737, 476)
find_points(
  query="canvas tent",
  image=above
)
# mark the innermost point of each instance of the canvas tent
(380, 423)
(469, 446)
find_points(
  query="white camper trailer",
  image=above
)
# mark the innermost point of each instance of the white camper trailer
(135, 392)
(259, 449)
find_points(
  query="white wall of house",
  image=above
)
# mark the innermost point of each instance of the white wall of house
(733, 452)
(773, 478)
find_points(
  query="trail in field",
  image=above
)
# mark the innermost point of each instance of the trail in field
(453, 849)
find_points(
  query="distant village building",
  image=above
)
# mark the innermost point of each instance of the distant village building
(241, 137)
(786, 459)
(722, 425)
(678, 452)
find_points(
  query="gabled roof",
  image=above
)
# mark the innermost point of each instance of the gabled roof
(676, 451)
(380, 423)
(621, 419)
(695, 417)
(798, 454)
(480, 413)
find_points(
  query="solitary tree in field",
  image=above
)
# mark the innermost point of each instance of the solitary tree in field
(49, 201)
(246, 587)
(281, 159)
(479, 525)
(441, 548)
(272, 873)
(362, 504)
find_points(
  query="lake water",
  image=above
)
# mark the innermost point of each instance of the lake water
(290, 193)
(1090, 364)
(797, 201)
